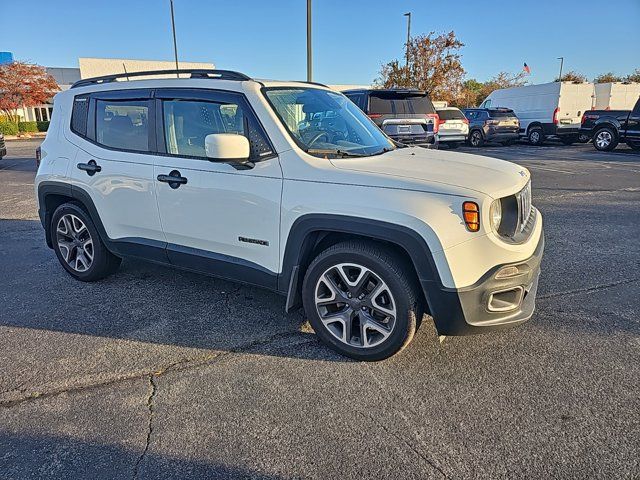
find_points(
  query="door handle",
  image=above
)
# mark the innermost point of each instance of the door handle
(174, 179)
(91, 167)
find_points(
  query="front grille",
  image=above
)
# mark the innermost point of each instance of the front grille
(524, 206)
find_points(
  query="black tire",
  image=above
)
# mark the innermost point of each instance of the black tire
(476, 138)
(393, 270)
(605, 139)
(103, 264)
(535, 135)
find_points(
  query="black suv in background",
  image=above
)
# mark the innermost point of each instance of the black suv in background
(406, 115)
(492, 125)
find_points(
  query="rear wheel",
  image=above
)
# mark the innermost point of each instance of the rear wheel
(78, 245)
(536, 136)
(604, 139)
(361, 300)
(476, 139)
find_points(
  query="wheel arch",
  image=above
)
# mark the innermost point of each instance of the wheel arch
(534, 124)
(53, 194)
(609, 123)
(313, 233)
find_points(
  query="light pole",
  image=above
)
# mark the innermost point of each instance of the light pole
(175, 44)
(561, 63)
(408, 15)
(309, 60)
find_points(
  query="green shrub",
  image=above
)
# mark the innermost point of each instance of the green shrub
(28, 127)
(43, 126)
(8, 128)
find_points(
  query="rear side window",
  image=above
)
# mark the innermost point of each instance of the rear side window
(450, 115)
(390, 102)
(79, 115)
(501, 113)
(188, 122)
(123, 124)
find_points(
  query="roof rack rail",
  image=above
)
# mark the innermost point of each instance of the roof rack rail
(195, 73)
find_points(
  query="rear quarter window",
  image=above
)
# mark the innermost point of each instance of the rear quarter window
(79, 115)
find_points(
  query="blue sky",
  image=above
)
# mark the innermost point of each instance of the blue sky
(352, 38)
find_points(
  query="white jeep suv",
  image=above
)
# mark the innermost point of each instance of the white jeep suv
(291, 187)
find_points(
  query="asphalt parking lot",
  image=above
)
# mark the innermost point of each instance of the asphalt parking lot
(158, 373)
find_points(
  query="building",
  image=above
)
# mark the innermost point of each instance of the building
(97, 67)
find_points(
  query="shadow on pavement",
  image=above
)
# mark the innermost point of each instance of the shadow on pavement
(57, 457)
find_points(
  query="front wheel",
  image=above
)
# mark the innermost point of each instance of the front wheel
(605, 139)
(476, 139)
(361, 301)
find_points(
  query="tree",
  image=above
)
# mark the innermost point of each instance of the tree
(24, 85)
(633, 77)
(607, 77)
(434, 65)
(572, 77)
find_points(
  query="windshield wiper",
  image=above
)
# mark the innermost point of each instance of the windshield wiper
(340, 153)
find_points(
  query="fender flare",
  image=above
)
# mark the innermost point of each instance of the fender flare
(308, 229)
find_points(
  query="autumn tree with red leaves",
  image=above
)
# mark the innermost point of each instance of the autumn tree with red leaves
(24, 85)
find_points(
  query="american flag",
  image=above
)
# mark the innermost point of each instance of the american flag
(526, 68)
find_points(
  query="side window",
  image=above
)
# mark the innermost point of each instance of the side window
(123, 124)
(188, 122)
(470, 115)
(79, 115)
(486, 104)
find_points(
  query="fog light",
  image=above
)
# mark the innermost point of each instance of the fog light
(506, 272)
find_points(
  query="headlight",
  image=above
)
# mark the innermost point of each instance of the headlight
(495, 215)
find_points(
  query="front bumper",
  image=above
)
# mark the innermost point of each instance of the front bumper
(490, 303)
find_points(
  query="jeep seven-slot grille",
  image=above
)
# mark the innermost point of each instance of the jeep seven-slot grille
(524, 205)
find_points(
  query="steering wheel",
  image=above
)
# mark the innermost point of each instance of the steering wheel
(317, 137)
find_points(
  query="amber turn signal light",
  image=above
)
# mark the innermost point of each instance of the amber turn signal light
(471, 214)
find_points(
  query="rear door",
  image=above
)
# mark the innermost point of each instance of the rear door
(574, 100)
(114, 133)
(224, 220)
(504, 121)
(452, 122)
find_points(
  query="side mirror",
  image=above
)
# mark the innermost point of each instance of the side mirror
(228, 147)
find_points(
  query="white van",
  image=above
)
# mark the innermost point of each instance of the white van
(550, 109)
(615, 96)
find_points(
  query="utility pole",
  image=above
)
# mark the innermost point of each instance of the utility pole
(561, 63)
(309, 56)
(175, 44)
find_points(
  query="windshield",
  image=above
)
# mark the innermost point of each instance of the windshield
(325, 123)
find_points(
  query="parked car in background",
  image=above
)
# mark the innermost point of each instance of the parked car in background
(220, 174)
(607, 128)
(453, 127)
(492, 125)
(546, 110)
(3, 147)
(407, 116)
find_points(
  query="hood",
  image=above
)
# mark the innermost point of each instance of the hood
(486, 175)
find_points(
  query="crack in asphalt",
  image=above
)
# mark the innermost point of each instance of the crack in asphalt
(153, 391)
(587, 289)
(180, 365)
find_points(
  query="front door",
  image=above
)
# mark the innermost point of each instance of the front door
(223, 220)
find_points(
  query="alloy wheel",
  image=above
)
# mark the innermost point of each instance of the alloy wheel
(603, 139)
(475, 139)
(74, 242)
(535, 136)
(355, 305)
